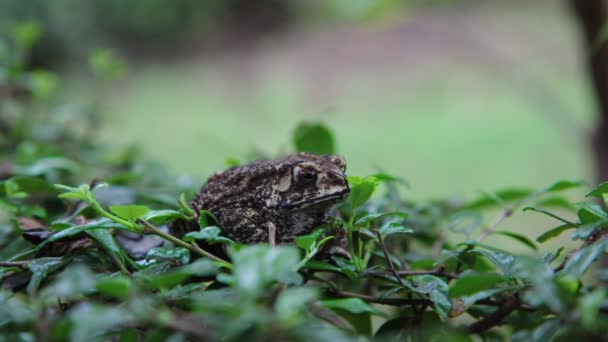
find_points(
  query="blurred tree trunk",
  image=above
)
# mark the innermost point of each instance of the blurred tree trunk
(591, 16)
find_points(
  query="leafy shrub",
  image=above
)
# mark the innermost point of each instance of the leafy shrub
(64, 276)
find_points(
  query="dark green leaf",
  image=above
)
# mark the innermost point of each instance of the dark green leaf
(521, 238)
(211, 234)
(564, 185)
(73, 230)
(105, 238)
(553, 233)
(599, 191)
(470, 283)
(203, 219)
(314, 137)
(591, 212)
(40, 268)
(548, 213)
(437, 290)
(504, 261)
(352, 305)
(555, 202)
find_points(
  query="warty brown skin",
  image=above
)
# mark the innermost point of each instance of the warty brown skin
(274, 200)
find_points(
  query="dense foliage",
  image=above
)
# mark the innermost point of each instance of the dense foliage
(63, 276)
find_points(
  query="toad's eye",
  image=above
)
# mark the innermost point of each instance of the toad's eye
(307, 176)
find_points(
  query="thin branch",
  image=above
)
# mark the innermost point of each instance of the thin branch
(419, 301)
(21, 264)
(151, 229)
(490, 230)
(440, 272)
(496, 318)
(388, 258)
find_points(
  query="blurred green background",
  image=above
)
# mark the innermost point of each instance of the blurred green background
(454, 96)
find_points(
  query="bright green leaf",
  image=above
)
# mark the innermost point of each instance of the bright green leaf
(307, 241)
(314, 137)
(129, 212)
(118, 287)
(361, 189)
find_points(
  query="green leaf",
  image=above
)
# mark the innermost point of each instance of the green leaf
(599, 191)
(44, 165)
(591, 212)
(106, 64)
(470, 283)
(394, 228)
(521, 238)
(170, 279)
(388, 178)
(548, 213)
(307, 241)
(352, 305)
(376, 216)
(211, 234)
(589, 307)
(584, 231)
(159, 217)
(314, 137)
(32, 185)
(118, 287)
(105, 238)
(555, 202)
(437, 290)
(73, 230)
(554, 232)
(129, 212)
(203, 219)
(181, 254)
(26, 34)
(40, 268)
(361, 189)
(75, 280)
(499, 198)
(564, 185)
(256, 266)
(584, 258)
(504, 261)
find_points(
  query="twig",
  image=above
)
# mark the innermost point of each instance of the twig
(418, 301)
(501, 217)
(495, 318)
(151, 229)
(440, 272)
(21, 264)
(388, 259)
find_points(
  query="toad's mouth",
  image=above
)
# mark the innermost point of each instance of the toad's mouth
(335, 197)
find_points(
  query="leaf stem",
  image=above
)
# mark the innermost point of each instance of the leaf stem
(151, 229)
